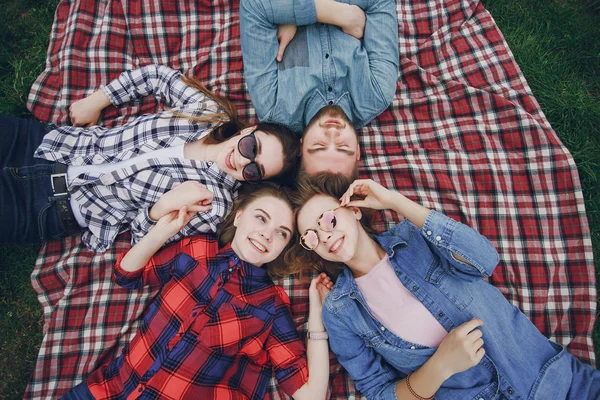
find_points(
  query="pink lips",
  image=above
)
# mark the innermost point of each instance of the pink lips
(251, 241)
(338, 243)
(333, 122)
(227, 162)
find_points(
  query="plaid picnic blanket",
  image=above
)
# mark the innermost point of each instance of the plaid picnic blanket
(464, 135)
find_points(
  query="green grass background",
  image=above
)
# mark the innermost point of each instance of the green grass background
(557, 46)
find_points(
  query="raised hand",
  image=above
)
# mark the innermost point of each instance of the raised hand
(374, 195)
(461, 349)
(171, 223)
(285, 34)
(320, 286)
(86, 112)
(192, 194)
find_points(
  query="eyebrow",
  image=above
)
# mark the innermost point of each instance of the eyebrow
(258, 151)
(268, 216)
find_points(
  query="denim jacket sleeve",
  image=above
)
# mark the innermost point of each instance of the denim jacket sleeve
(449, 238)
(162, 82)
(373, 376)
(258, 33)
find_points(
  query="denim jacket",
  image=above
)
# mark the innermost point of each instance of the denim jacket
(322, 65)
(520, 363)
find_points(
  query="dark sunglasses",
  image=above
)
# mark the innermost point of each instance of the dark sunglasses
(248, 148)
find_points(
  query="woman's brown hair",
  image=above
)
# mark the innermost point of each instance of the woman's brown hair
(248, 194)
(228, 124)
(328, 184)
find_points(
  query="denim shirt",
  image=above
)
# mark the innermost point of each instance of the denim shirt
(322, 65)
(520, 363)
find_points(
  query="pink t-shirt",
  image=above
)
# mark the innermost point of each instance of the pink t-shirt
(396, 307)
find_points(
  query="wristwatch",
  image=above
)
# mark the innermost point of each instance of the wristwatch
(317, 335)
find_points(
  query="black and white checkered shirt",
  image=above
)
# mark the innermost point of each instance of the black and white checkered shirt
(111, 203)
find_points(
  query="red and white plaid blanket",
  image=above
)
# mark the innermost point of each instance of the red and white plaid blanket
(464, 135)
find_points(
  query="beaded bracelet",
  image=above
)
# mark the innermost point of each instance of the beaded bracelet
(410, 389)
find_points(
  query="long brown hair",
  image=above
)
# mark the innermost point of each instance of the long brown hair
(328, 184)
(248, 194)
(229, 124)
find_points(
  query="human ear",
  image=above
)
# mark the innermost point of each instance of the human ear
(357, 213)
(357, 152)
(237, 217)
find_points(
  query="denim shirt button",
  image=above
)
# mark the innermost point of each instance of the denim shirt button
(383, 328)
(412, 347)
(510, 391)
(441, 314)
(438, 238)
(415, 288)
(429, 233)
(326, 55)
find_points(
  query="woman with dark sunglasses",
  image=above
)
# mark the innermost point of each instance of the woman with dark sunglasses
(411, 315)
(58, 181)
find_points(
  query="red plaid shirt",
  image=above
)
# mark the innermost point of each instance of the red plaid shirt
(217, 330)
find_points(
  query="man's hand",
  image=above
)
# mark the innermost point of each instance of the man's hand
(354, 22)
(285, 34)
(192, 194)
(86, 112)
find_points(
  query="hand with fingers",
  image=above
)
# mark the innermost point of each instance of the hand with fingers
(86, 112)
(171, 223)
(192, 194)
(285, 34)
(461, 349)
(320, 286)
(373, 195)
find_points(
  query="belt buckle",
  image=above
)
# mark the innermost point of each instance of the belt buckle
(56, 176)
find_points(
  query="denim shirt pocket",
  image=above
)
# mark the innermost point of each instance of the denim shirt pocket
(458, 291)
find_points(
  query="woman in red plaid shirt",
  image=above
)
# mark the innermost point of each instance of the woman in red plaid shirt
(219, 328)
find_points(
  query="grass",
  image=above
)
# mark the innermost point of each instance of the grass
(557, 46)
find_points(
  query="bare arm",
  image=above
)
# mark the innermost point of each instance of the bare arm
(317, 351)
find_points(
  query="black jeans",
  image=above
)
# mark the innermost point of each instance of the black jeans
(27, 205)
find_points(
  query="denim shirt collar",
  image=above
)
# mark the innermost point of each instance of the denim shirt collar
(346, 284)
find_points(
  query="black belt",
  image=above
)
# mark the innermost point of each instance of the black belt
(58, 179)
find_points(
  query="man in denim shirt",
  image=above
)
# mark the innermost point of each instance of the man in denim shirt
(328, 82)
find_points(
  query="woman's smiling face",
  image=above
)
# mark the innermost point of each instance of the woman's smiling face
(263, 229)
(340, 243)
(268, 155)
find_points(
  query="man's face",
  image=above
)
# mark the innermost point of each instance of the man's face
(330, 143)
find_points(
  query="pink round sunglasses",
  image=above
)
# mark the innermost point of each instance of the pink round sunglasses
(326, 222)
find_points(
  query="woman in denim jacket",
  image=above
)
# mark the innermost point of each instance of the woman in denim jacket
(410, 315)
